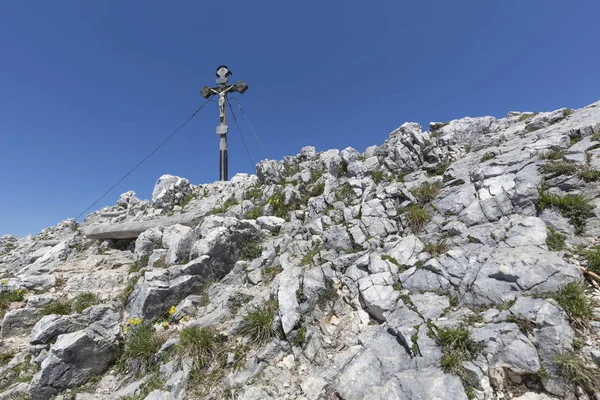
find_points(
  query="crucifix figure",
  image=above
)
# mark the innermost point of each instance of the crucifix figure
(222, 78)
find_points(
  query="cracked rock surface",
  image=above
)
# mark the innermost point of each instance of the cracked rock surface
(426, 267)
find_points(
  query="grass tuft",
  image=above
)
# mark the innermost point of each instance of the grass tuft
(377, 175)
(141, 344)
(576, 207)
(555, 240)
(437, 248)
(488, 156)
(592, 257)
(576, 370)
(258, 323)
(417, 217)
(269, 273)
(457, 347)
(251, 249)
(573, 299)
(199, 343)
(58, 306)
(83, 301)
(558, 168)
(427, 191)
(553, 155)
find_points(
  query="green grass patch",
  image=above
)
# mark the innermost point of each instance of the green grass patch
(592, 256)
(525, 325)
(201, 344)
(553, 155)
(316, 190)
(269, 273)
(555, 240)
(427, 191)
(258, 323)
(527, 116)
(438, 170)
(187, 199)
(417, 218)
(577, 371)
(58, 306)
(327, 295)
(568, 112)
(277, 202)
(437, 248)
(575, 207)
(308, 257)
(573, 299)
(345, 193)
(142, 342)
(588, 174)
(488, 156)
(254, 213)
(254, 193)
(83, 301)
(377, 175)
(457, 347)
(250, 250)
(124, 295)
(558, 168)
(391, 259)
(7, 297)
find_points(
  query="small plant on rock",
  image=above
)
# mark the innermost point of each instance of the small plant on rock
(438, 170)
(558, 168)
(576, 207)
(458, 347)
(84, 300)
(308, 257)
(427, 191)
(269, 273)
(201, 344)
(251, 249)
(254, 213)
(377, 176)
(578, 372)
(588, 174)
(555, 240)
(437, 248)
(488, 156)
(592, 257)
(417, 217)
(553, 155)
(327, 295)
(58, 306)
(141, 344)
(259, 323)
(345, 193)
(573, 299)
(525, 325)
(526, 116)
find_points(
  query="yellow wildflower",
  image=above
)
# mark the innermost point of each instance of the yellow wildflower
(172, 310)
(19, 292)
(4, 281)
(165, 324)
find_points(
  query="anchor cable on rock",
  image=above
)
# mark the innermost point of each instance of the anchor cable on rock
(147, 157)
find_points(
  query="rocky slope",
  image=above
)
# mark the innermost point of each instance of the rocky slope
(443, 264)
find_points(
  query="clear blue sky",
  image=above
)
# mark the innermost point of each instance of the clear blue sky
(88, 88)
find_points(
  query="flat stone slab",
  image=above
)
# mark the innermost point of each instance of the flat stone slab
(131, 230)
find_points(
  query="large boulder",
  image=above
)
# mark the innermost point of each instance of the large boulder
(74, 359)
(169, 191)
